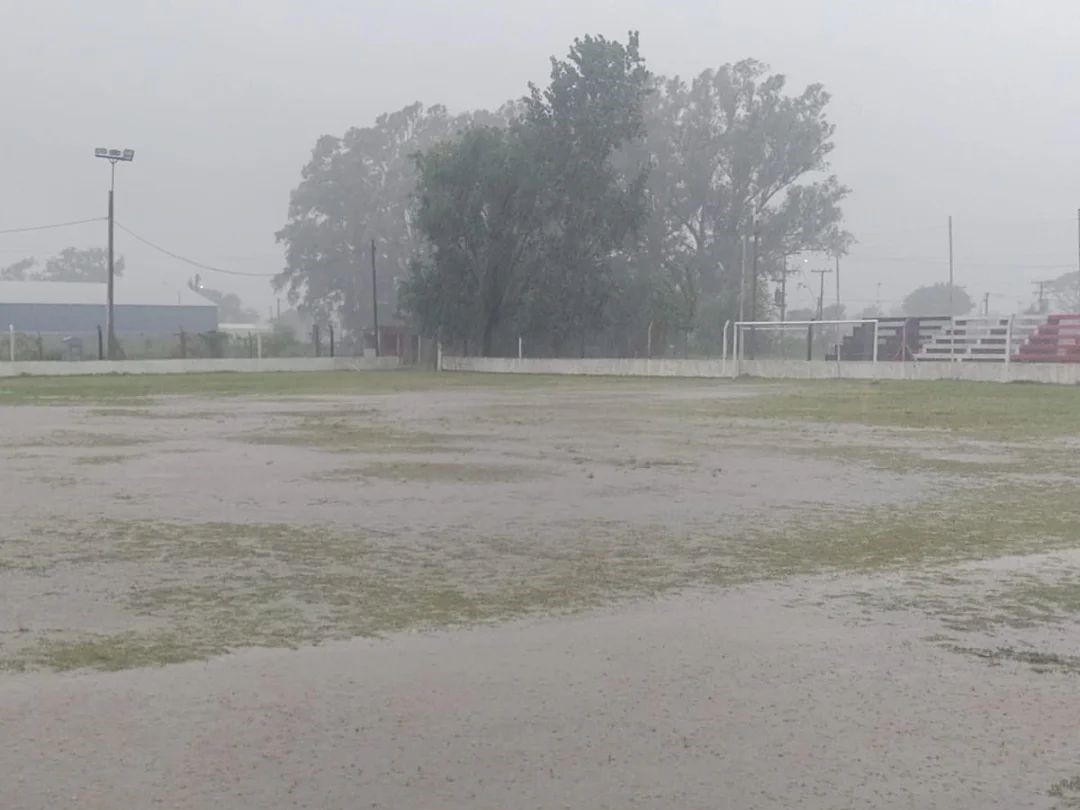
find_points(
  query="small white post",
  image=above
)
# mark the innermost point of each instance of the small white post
(419, 349)
(877, 325)
(438, 355)
(727, 329)
(1008, 340)
(258, 345)
(11, 341)
(735, 350)
(521, 348)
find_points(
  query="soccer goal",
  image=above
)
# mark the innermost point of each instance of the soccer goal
(806, 340)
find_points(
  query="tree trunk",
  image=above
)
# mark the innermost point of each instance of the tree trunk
(488, 338)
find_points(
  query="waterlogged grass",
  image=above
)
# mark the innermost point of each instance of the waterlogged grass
(152, 413)
(207, 588)
(346, 436)
(80, 438)
(977, 409)
(100, 460)
(137, 389)
(432, 472)
(1038, 661)
(1067, 792)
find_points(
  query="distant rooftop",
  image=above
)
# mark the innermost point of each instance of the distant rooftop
(129, 292)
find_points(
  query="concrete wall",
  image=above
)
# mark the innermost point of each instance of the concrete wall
(1060, 373)
(47, 369)
(598, 367)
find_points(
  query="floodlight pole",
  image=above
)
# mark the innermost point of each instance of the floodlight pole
(113, 156)
(110, 330)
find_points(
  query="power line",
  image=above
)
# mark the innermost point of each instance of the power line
(54, 225)
(192, 262)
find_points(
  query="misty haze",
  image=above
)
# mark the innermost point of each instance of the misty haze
(590, 405)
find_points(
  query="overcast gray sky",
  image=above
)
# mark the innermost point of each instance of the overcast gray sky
(962, 107)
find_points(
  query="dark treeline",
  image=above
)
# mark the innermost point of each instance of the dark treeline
(610, 205)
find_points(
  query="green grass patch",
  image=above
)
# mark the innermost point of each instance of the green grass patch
(987, 410)
(125, 389)
(207, 588)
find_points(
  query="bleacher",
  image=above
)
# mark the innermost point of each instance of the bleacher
(983, 338)
(898, 338)
(1055, 340)
(1034, 339)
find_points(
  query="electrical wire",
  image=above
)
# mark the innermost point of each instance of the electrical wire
(208, 267)
(54, 225)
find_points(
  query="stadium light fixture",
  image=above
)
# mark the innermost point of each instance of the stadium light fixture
(114, 156)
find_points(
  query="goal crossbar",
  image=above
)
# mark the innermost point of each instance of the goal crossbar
(738, 346)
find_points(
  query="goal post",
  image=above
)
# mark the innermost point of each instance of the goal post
(794, 340)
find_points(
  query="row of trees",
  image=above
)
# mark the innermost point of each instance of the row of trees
(606, 205)
(71, 264)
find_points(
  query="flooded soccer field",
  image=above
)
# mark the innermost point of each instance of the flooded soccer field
(397, 589)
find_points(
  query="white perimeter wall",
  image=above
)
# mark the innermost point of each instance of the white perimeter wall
(48, 369)
(1061, 373)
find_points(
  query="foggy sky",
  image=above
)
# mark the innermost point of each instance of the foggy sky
(962, 107)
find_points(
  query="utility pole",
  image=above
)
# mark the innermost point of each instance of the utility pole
(952, 311)
(838, 315)
(110, 328)
(783, 289)
(753, 283)
(375, 302)
(1042, 294)
(113, 156)
(742, 283)
(877, 304)
(986, 304)
(821, 294)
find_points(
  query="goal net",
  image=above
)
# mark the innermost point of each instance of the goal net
(806, 340)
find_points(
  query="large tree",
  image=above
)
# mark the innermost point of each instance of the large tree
(1065, 291)
(736, 157)
(478, 208)
(75, 264)
(357, 188)
(70, 264)
(21, 270)
(591, 108)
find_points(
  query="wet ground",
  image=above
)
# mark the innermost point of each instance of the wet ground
(590, 595)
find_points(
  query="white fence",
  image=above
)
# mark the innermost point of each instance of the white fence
(1061, 373)
(195, 366)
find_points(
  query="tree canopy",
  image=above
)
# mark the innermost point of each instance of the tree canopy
(934, 300)
(1065, 292)
(606, 206)
(71, 264)
(357, 188)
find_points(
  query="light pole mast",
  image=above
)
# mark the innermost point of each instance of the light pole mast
(113, 156)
